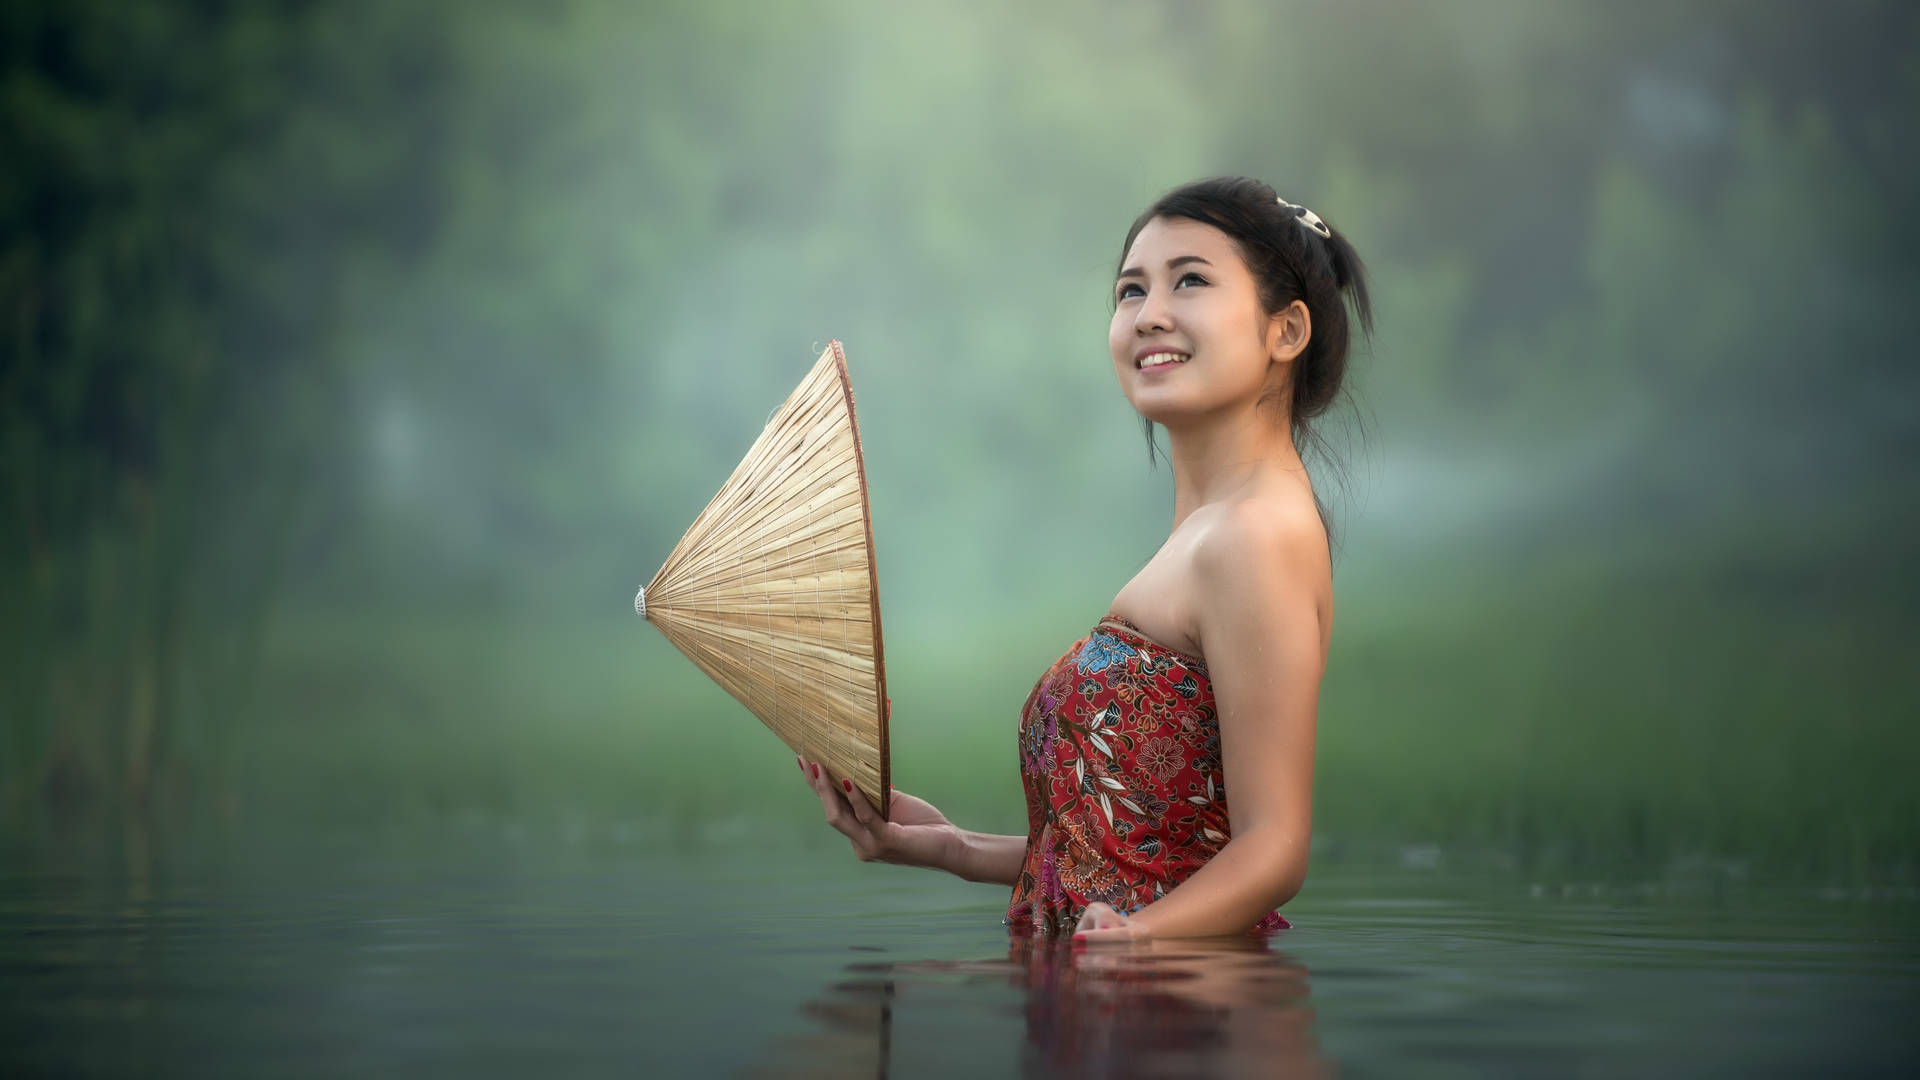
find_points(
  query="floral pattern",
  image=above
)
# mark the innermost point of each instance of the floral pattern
(1160, 758)
(1120, 759)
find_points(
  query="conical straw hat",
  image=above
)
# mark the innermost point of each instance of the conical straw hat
(772, 590)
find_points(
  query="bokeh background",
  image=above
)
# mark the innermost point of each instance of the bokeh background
(361, 358)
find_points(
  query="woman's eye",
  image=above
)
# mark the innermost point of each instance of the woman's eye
(1189, 274)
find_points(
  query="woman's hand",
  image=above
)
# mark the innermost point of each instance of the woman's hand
(917, 835)
(1101, 923)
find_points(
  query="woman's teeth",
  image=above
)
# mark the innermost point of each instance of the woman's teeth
(1163, 358)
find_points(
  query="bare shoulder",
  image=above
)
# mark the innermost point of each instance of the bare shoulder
(1262, 538)
(1261, 564)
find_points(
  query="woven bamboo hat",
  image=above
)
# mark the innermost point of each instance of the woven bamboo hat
(772, 590)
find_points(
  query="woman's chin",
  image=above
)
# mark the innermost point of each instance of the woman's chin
(1159, 409)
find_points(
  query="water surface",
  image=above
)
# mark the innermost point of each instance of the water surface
(502, 951)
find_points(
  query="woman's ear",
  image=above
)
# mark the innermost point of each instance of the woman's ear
(1289, 331)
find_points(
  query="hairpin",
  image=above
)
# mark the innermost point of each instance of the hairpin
(1308, 218)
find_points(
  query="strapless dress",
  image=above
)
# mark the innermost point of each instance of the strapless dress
(1120, 761)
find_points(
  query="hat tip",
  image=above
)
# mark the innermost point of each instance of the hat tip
(640, 603)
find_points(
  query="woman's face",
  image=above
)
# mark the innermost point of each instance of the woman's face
(1184, 290)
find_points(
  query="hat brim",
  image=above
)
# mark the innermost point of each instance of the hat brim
(773, 590)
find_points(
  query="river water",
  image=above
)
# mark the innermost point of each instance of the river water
(501, 951)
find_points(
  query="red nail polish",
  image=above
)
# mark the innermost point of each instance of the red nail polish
(802, 764)
(816, 772)
(848, 784)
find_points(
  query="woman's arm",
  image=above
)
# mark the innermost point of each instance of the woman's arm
(1256, 580)
(917, 834)
(988, 857)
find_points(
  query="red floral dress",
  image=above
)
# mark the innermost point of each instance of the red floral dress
(1120, 759)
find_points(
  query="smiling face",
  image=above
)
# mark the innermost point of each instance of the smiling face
(1188, 336)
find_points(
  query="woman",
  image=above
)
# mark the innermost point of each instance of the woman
(1230, 329)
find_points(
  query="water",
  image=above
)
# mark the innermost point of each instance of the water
(505, 952)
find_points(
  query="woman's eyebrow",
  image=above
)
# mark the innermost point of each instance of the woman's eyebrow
(1134, 271)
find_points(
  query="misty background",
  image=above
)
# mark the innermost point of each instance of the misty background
(361, 359)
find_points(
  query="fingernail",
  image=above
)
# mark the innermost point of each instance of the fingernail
(848, 784)
(1079, 937)
(816, 772)
(802, 764)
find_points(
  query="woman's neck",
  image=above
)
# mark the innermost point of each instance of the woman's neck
(1223, 457)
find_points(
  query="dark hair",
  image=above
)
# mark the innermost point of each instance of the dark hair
(1290, 261)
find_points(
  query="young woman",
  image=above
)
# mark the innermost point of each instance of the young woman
(1230, 329)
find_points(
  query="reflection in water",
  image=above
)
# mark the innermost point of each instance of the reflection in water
(1224, 1006)
(1215, 1007)
(482, 960)
(855, 1035)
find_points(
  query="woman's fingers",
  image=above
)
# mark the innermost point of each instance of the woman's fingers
(851, 802)
(862, 809)
(847, 810)
(1099, 915)
(1100, 923)
(834, 805)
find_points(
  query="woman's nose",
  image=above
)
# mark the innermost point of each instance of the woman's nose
(1152, 316)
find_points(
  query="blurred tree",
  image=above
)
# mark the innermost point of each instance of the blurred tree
(168, 377)
(404, 306)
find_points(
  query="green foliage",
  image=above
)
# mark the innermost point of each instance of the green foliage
(201, 185)
(363, 344)
(1572, 726)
